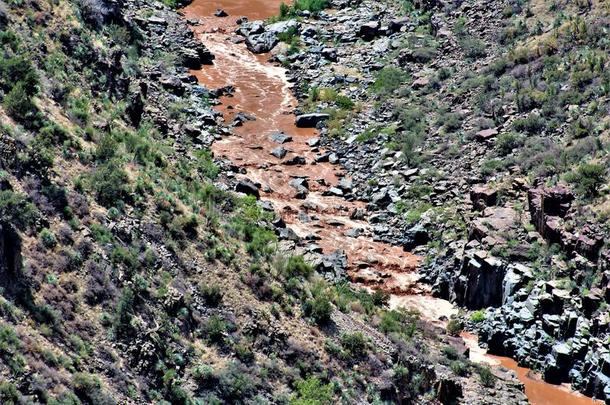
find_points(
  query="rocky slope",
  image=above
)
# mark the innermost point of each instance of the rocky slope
(477, 133)
(129, 275)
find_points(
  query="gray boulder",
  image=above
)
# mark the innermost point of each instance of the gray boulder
(310, 120)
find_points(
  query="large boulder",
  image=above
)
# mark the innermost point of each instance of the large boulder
(310, 120)
(262, 43)
(247, 187)
(369, 30)
(283, 27)
(483, 196)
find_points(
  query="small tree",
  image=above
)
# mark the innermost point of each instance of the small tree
(18, 103)
(588, 179)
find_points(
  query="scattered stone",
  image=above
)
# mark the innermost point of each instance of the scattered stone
(310, 120)
(279, 152)
(247, 187)
(280, 137)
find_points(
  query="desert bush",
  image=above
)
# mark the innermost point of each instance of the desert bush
(212, 294)
(319, 308)
(183, 227)
(124, 313)
(19, 70)
(297, 267)
(388, 79)
(588, 179)
(10, 344)
(18, 104)
(454, 327)
(9, 395)
(354, 343)
(401, 322)
(507, 142)
(48, 239)
(486, 376)
(532, 124)
(234, 384)
(15, 209)
(110, 183)
(478, 316)
(216, 328)
(473, 48)
(312, 391)
(88, 388)
(459, 368)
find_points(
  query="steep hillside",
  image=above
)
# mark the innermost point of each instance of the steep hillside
(128, 275)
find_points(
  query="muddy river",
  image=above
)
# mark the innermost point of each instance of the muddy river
(262, 91)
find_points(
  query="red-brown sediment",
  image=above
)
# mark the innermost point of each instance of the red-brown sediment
(261, 90)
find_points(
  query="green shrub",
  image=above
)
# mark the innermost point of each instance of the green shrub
(10, 39)
(507, 142)
(15, 209)
(532, 124)
(184, 226)
(48, 238)
(18, 103)
(206, 165)
(107, 148)
(588, 179)
(459, 368)
(124, 312)
(486, 376)
(311, 391)
(450, 121)
(19, 70)
(491, 166)
(9, 394)
(235, 385)
(450, 352)
(401, 322)
(262, 242)
(454, 327)
(110, 183)
(216, 328)
(319, 309)
(212, 294)
(344, 102)
(388, 79)
(473, 48)
(10, 344)
(355, 343)
(478, 316)
(297, 267)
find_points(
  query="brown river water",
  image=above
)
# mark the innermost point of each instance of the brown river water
(261, 90)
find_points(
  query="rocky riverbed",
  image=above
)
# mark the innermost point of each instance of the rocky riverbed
(487, 227)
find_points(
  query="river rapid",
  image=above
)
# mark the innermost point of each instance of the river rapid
(262, 91)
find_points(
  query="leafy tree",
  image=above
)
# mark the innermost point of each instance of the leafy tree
(588, 179)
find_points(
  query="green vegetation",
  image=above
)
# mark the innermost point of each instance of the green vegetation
(293, 10)
(312, 391)
(388, 80)
(478, 316)
(588, 179)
